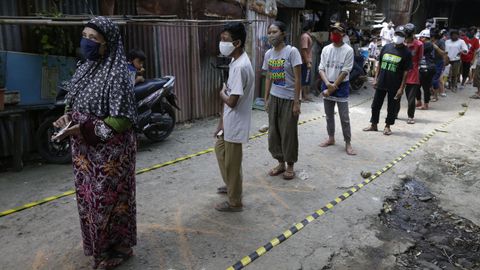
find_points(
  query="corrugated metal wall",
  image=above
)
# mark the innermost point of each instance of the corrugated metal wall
(10, 37)
(259, 40)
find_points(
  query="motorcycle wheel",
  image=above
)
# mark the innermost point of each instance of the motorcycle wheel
(157, 134)
(52, 152)
(356, 84)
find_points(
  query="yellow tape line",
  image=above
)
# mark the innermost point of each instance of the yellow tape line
(144, 170)
(299, 226)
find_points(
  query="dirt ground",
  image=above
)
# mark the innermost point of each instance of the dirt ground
(179, 229)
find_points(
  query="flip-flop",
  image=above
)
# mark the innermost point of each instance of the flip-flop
(370, 128)
(475, 97)
(226, 207)
(222, 190)
(289, 175)
(387, 133)
(115, 258)
(411, 121)
(276, 171)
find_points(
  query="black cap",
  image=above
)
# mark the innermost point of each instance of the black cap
(400, 30)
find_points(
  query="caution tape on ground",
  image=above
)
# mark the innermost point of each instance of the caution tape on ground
(329, 206)
(152, 168)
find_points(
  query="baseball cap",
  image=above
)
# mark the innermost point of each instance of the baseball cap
(400, 30)
(425, 34)
(338, 26)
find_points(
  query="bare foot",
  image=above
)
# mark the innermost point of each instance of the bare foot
(327, 142)
(349, 150)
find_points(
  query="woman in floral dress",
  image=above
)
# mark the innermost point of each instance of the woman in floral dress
(102, 109)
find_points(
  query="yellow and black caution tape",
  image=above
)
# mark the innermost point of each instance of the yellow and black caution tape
(152, 168)
(300, 225)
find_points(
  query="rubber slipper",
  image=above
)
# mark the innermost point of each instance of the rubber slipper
(370, 128)
(289, 175)
(276, 171)
(226, 207)
(115, 259)
(387, 132)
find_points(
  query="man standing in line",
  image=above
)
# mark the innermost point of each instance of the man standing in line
(455, 47)
(386, 34)
(306, 44)
(335, 66)
(472, 43)
(394, 62)
(413, 77)
(234, 127)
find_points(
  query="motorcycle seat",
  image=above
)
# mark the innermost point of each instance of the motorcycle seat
(142, 90)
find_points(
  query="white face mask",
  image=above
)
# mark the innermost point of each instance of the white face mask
(398, 39)
(226, 48)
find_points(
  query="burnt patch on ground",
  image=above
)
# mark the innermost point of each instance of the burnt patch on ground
(441, 239)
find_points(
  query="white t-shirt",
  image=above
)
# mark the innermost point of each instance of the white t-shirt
(454, 48)
(280, 65)
(334, 60)
(236, 121)
(386, 35)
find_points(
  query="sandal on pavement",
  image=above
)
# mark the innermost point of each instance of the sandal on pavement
(370, 128)
(277, 170)
(227, 207)
(410, 121)
(115, 259)
(475, 96)
(289, 175)
(222, 190)
(387, 132)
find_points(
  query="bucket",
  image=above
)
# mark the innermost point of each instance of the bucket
(2, 99)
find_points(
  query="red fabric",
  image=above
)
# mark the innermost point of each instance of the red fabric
(416, 48)
(473, 45)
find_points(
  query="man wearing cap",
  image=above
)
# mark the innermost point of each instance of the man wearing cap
(413, 77)
(336, 62)
(395, 60)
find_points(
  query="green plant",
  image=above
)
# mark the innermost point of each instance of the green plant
(53, 40)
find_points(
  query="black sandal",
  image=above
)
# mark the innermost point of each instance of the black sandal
(115, 258)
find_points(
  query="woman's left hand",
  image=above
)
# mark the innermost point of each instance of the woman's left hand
(296, 108)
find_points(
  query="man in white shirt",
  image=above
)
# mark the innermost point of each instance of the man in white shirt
(454, 48)
(386, 34)
(234, 127)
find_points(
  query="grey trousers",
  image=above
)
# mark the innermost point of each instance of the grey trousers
(329, 106)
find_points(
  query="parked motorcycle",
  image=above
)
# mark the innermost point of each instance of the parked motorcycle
(358, 74)
(156, 118)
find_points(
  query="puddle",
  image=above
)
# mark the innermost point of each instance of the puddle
(442, 239)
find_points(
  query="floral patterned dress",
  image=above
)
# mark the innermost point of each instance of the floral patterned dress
(105, 189)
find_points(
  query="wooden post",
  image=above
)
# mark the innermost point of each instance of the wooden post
(17, 142)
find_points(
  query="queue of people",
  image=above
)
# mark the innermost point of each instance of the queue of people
(101, 113)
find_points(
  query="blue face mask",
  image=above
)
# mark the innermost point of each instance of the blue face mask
(90, 49)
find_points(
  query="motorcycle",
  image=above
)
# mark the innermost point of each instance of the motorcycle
(156, 118)
(358, 74)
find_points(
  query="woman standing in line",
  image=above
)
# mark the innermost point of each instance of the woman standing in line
(100, 114)
(282, 98)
